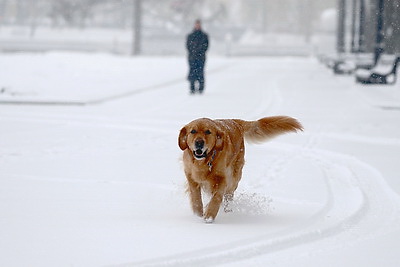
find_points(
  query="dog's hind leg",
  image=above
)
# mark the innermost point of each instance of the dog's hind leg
(236, 176)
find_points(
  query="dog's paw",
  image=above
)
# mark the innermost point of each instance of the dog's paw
(208, 219)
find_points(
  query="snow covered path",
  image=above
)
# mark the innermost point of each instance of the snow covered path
(102, 184)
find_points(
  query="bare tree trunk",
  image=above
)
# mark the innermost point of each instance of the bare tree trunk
(33, 18)
(361, 39)
(137, 27)
(264, 22)
(396, 26)
(379, 45)
(354, 25)
(308, 20)
(3, 5)
(340, 45)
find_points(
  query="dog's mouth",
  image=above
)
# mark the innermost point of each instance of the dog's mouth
(200, 154)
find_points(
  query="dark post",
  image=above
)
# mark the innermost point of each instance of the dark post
(392, 26)
(340, 45)
(379, 45)
(354, 26)
(137, 27)
(396, 26)
(361, 28)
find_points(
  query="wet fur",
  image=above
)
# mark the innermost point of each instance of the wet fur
(217, 168)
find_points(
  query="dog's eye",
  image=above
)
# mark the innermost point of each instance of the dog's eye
(207, 132)
(193, 131)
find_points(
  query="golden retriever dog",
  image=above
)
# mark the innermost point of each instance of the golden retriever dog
(213, 156)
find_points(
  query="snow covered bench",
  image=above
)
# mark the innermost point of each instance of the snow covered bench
(384, 72)
(348, 64)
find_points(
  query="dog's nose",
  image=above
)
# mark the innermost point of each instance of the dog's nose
(199, 143)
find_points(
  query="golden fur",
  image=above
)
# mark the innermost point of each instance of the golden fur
(213, 155)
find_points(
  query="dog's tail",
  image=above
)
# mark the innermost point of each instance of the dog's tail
(268, 127)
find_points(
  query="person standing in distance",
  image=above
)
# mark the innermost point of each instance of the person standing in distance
(196, 45)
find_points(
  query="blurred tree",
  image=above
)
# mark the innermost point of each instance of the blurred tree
(137, 27)
(340, 46)
(362, 46)
(3, 4)
(354, 25)
(73, 12)
(380, 34)
(392, 26)
(306, 15)
(33, 17)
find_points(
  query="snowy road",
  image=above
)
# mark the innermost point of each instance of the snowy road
(102, 184)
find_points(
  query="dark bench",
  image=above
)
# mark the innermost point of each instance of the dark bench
(384, 72)
(350, 63)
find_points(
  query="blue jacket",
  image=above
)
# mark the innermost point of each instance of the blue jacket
(197, 45)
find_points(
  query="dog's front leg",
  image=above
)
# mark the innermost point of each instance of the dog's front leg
(213, 207)
(215, 202)
(195, 197)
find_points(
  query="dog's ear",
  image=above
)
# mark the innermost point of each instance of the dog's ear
(182, 139)
(219, 144)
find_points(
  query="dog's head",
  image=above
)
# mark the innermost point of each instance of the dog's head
(201, 136)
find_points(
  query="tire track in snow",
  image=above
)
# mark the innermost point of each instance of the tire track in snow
(153, 87)
(254, 247)
(363, 139)
(102, 100)
(357, 198)
(94, 121)
(359, 181)
(271, 100)
(302, 233)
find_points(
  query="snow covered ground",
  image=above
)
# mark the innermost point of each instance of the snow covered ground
(90, 170)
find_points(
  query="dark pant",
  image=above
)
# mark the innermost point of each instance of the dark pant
(193, 86)
(196, 73)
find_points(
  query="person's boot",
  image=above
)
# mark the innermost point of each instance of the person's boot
(192, 88)
(201, 87)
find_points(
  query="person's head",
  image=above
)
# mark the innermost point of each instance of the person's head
(197, 25)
